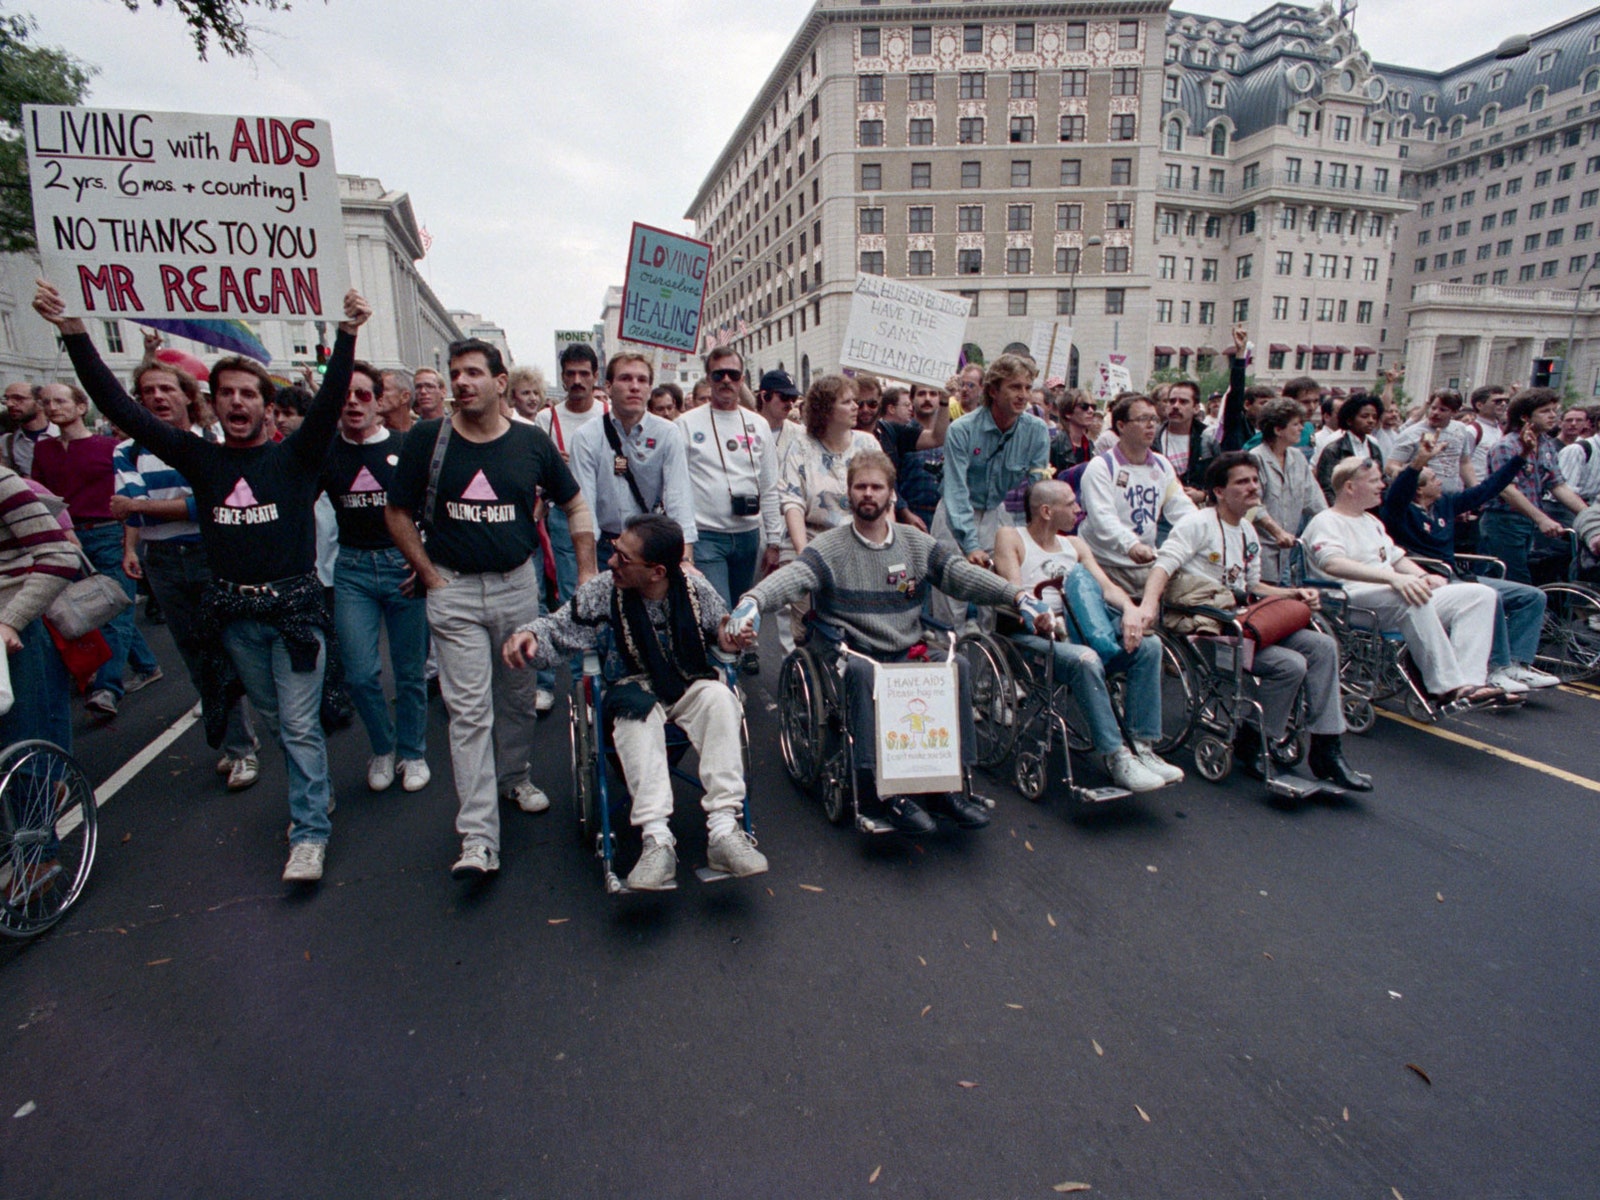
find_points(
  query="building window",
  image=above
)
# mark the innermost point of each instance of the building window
(1115, 299)
(920, 132)
(1069, 217)
(1243, 266)
(1167, 267)
(1017, 303)
(1019, 217)
(972, 39)
(1125, 81)
(872, 262)
(1169, 89)
(1167, 222)
(1073, 128)
(1123, 127)
(1024, 85)
(1127, 35)
(871, 220)
(919, 219)
(1208, 270)
(1022, 42)
(973, 297)
(1363, 312)
(1174, 136)
(921, 175)
(969, 262)
(870, 89)
(1074, 83)
(1066, 303)
(870, 42)
(971, 85)
(871, 133)
(922, 40)
(1121, 172)
(971, 175)
(871, 177)
(1077, 35)
(300, 336)
(1117, 259)
(1284, 264)
(1164, 312)
(113, 332)
(920, 86)
(1021, 173)
(1172, 176)
(1071, 172)
(1219, 141)
(969, 218)
(1280, 308)
(1019, 261)
(1119, 216)
(1021, 129)
(971, 131)
(1241, 311)
(1217, 94)
(919, 262)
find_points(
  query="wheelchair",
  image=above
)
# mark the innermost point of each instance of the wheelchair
(1020, 709)
(814, 737)
(48, 834)
(1569, 643)
(599, 791)
(1217, 664)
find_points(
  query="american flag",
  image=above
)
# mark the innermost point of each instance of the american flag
(427, 240)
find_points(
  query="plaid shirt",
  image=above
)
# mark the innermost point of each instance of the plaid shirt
(1542, 473)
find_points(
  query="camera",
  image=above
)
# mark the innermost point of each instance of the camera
(745, 505)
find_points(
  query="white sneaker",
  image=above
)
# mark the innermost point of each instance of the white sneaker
(543, 701)
(1506, 682)
(1128, 772)
(380, 772)
(657, 868)
(735, 853)
(243, 772)
(1532, 677)
(305, 862)
(1155, 764)
(529, 798)
(476, 862)
(414, 774)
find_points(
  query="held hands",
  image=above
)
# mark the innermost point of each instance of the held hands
(744, 622)
(356, 311)
(1141, 553)
(519, 648)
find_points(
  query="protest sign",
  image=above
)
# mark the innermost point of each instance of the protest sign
(1112, 377)
(665, 289)
(1051, 347)
(899, 329)
(919, 728)
(576, 337)
(151, 214)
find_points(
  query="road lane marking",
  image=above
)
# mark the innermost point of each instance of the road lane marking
(1509, 755)
(125, 774)
(1573, 689)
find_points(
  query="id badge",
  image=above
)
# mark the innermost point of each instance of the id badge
(619, 465)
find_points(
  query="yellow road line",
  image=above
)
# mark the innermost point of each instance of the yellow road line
(1577, 689)
(1532, 764)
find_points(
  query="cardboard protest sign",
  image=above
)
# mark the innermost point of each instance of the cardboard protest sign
(1112, 377)
(576, 337)
(665, 291)
(1051, 348)
(899, 329)
(919, 728)
(153, 214)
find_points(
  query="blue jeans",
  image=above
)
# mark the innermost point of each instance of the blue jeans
(291, 703)
(366, 588)
(42, 707)
(103, 545)
(1509, 537)
(566, 556)
(728, 561)
(1518, 621)
(1080, 668)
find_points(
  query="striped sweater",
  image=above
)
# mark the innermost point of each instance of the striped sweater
(37, 557)
(874, 593)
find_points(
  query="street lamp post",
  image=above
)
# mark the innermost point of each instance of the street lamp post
(1572, 326)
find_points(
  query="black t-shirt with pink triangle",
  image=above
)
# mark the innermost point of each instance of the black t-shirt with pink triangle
(356, 478)
(483, 511)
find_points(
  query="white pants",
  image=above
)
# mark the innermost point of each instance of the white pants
(1449, 637)
(709, 713)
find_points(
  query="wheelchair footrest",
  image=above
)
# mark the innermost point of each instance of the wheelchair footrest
(707, 875)
(1100, 795)
(873, 825)
(1292, 787)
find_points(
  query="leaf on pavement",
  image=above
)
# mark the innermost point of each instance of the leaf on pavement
(1347, 1114)
(876, 1171)
(1051, 918)
(1071, 1186)
(1420, 1073)
(308, 956)
(922, 960)
(809, 887)
(24, 1110)
(1027, 845)
(1267, 955)
(1018, 1007)
(1097, 1048)
(158, 962)
(126, 838)
(1143, 1116)
(926, 1009)
(966, 1083)
(558, 920)
(994, 935)
(1439, 896)
(1151, 868)
(1396, 1193)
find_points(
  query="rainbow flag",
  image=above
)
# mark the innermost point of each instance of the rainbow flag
(233, 336)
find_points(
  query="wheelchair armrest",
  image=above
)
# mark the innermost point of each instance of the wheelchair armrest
(1434, 566)
(1483, 565)
(1228, 620)
(591, 664)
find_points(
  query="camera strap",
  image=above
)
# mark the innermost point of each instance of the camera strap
(744, 429)
(622, 466)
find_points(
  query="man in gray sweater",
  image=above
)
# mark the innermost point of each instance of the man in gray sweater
(867, 579)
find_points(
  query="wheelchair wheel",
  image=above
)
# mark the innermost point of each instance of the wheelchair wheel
(585, 760)
(1178, 695)
(836, 797)
(803, 717)
(1359, 715)
(1213, 757)
(1569, 643)
(1290, 750)
(995, 702)
(1029, 773)
(48, 830)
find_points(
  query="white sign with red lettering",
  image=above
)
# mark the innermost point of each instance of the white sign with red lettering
(151, 214)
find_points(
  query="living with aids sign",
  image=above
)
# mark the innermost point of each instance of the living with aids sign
(665, 289)
(152, 214)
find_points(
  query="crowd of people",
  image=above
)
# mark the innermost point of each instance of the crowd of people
(287, 538)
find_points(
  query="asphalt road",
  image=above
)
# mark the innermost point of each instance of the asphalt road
(1193, 995)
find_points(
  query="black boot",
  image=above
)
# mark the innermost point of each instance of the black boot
(967, 814)
(1247, 751)
(1327, 761)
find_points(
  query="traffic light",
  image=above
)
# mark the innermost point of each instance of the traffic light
(322, 360)
(1547, 372)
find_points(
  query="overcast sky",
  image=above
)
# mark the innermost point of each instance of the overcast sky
(531, 134)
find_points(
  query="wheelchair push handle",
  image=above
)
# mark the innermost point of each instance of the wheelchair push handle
(1057, 584)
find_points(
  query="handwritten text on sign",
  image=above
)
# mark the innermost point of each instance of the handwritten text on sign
(909, 332)
(665, 289)
(187, 214)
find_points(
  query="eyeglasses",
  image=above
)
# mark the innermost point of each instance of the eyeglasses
(625, 558)
(727, 375)
(362, 393)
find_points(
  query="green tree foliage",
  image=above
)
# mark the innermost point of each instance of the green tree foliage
(29, 74)
(222, 21)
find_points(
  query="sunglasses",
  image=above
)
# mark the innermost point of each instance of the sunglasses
(362, 393)
(727, 375)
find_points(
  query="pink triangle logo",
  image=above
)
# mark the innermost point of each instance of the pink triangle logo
(364, 482)
(479, 489)
(241, 496)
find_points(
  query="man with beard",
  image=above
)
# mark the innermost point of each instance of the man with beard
(427, 399)
(29, 426)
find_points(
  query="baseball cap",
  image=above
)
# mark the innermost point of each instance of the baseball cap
(778, 381)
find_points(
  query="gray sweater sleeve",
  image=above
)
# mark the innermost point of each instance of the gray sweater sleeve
(965, 581)
(783, 586)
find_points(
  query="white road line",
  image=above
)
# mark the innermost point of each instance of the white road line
(125, 774)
